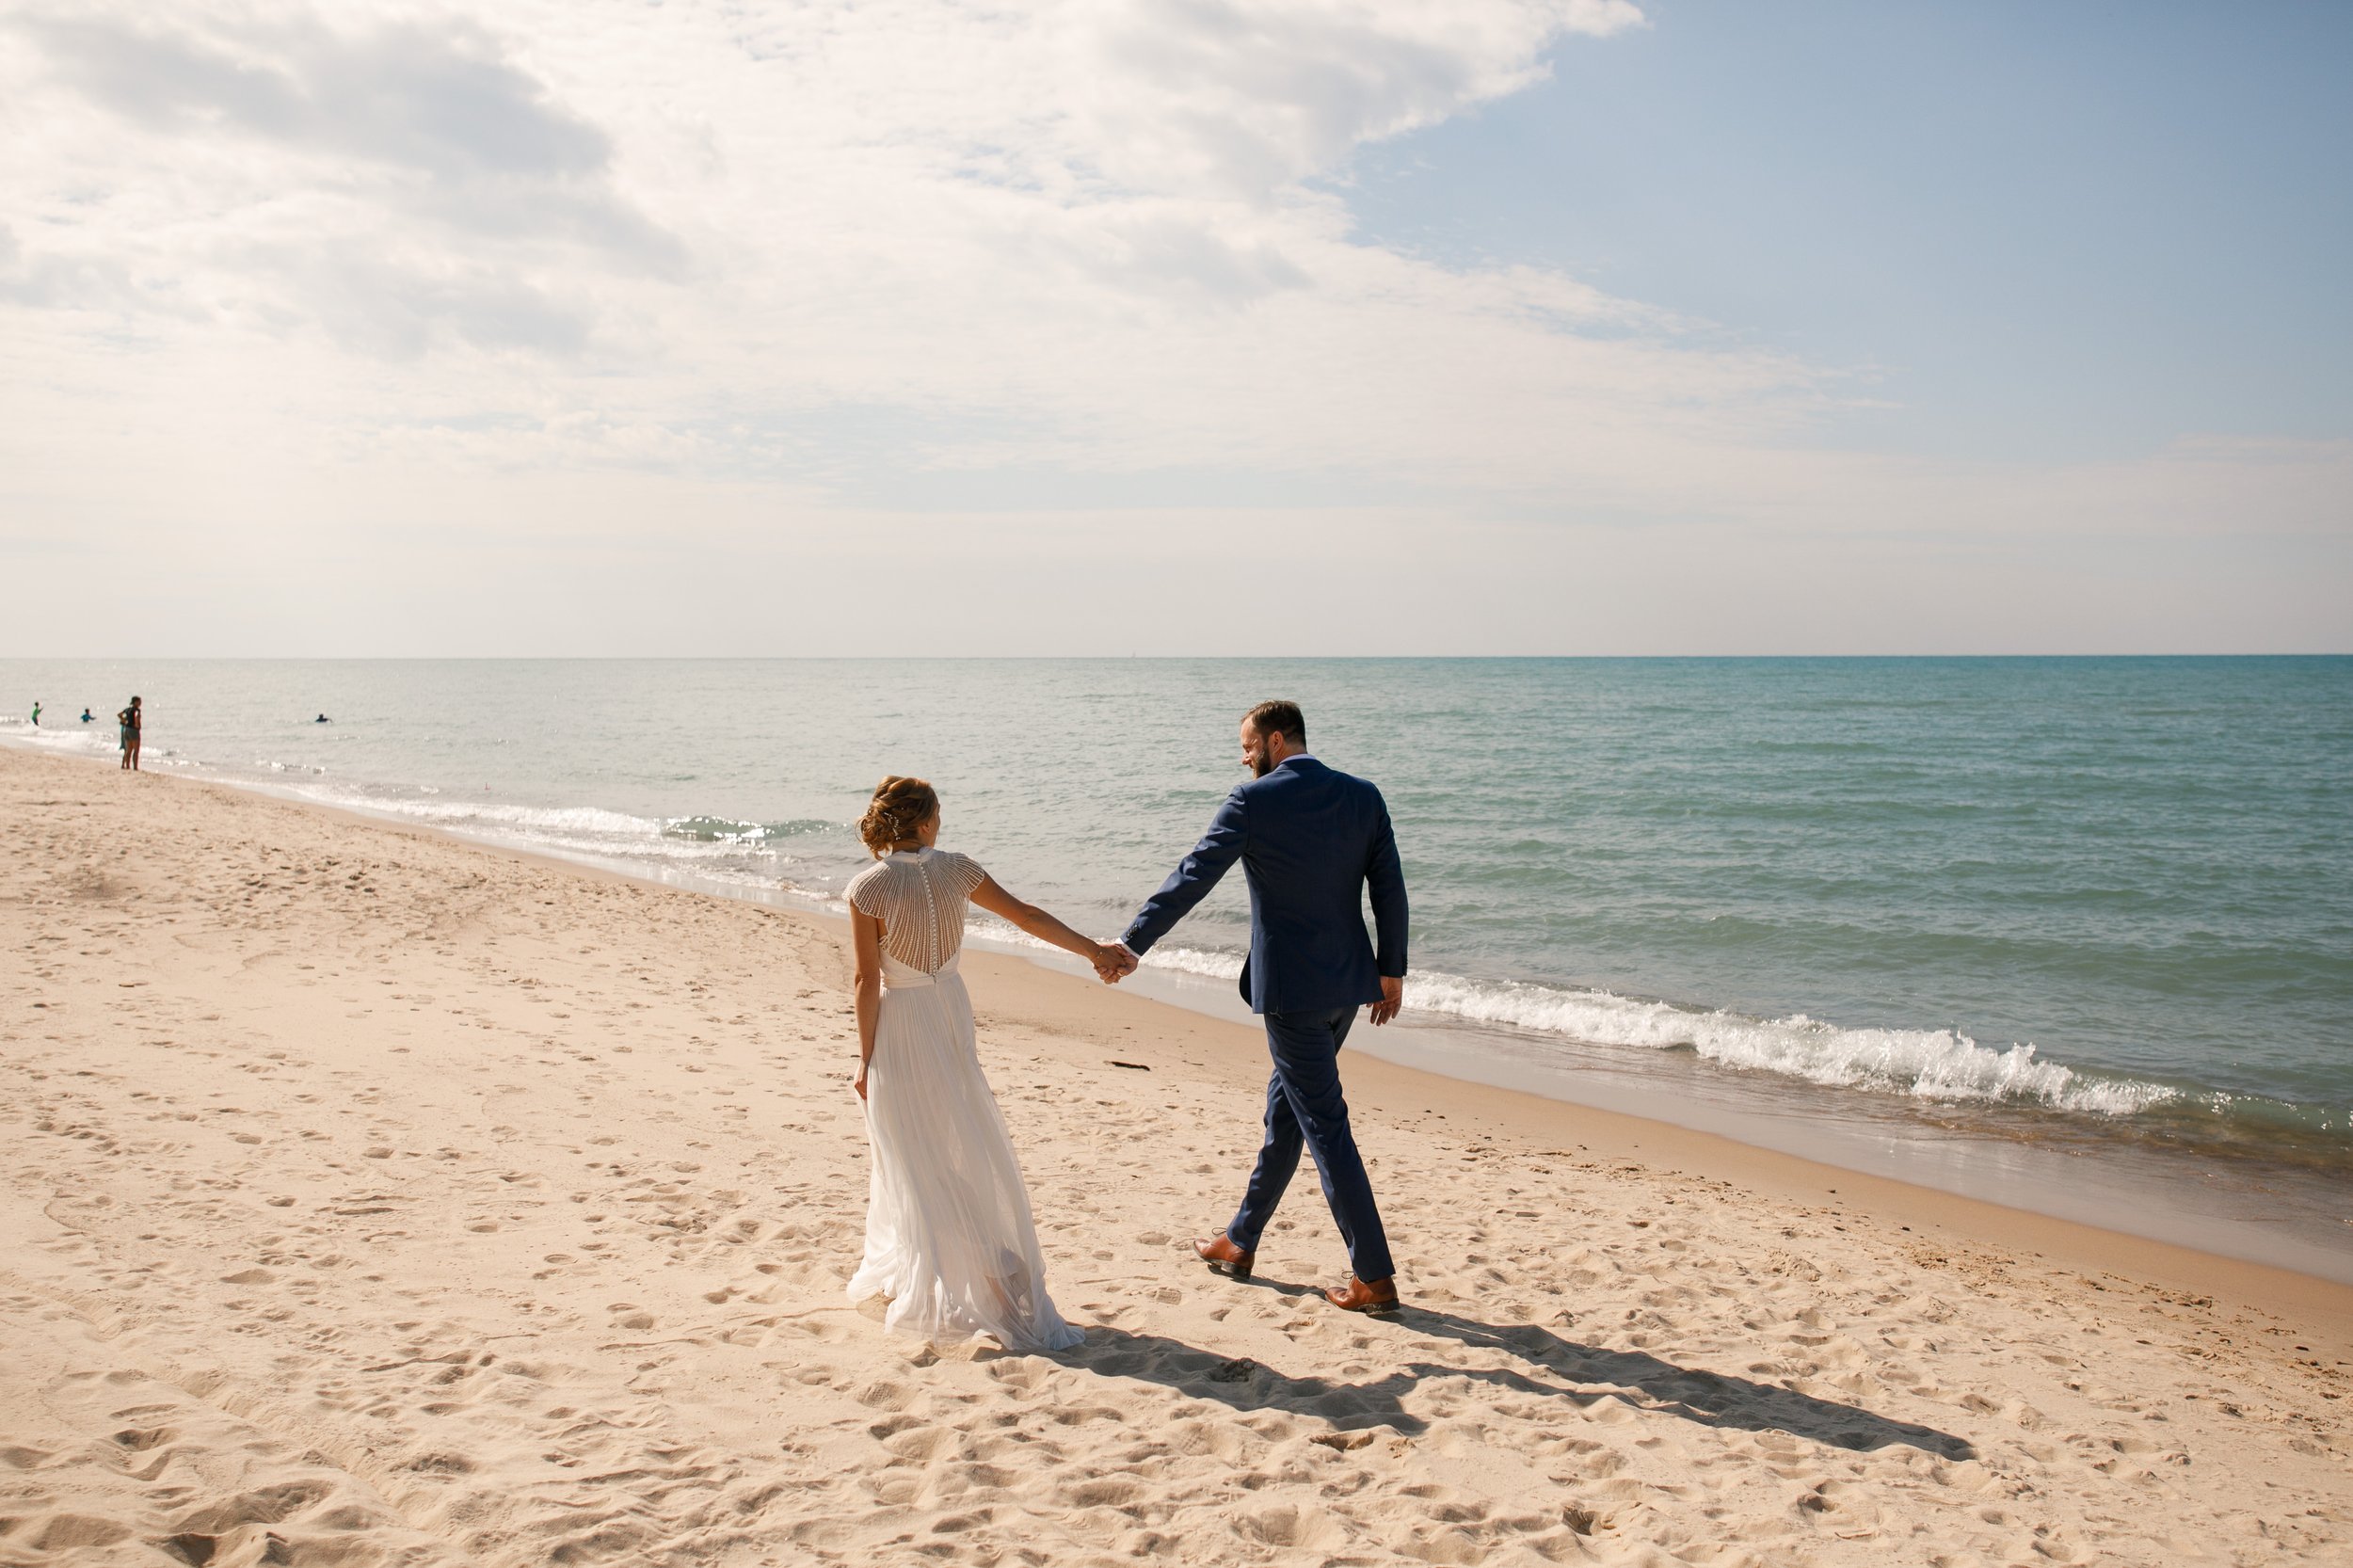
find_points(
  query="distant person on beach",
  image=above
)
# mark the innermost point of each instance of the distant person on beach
(129, 719)
(85, 717)
(1311, 842)
(36, 713)
(322, 719)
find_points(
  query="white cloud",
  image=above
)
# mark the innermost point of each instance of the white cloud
(440, 100)
(1092, 216)
(1208, 96)
(392, 185)
(754, 267)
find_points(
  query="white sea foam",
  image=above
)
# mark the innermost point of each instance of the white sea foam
(526, 819)
(1935, 1064)
(589, 831)
(1929, 1065)
(89, 740)
(1200, 960)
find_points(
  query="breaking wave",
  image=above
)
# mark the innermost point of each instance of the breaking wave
(1929, 1064)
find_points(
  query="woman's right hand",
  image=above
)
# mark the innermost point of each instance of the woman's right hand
(860, 1082)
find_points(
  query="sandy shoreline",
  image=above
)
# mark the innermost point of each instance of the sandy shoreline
(377, 1198)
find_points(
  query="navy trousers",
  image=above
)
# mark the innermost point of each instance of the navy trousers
(1304, 1107)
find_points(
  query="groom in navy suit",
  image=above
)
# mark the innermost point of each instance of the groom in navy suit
(1309, 840)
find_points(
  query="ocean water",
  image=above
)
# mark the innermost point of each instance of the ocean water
(2099, 902)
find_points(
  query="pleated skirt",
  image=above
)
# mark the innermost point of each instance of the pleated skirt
(950, 1239)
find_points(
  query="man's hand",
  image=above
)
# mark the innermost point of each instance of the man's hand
(1114, 963)
(1392, 997)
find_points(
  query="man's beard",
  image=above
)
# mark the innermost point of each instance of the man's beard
(1260, 763)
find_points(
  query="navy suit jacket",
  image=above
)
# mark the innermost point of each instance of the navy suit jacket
(1310, 839)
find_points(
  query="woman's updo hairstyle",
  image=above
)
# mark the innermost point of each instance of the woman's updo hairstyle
(899, 808)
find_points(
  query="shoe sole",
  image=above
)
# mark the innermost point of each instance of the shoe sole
(1231, 1270)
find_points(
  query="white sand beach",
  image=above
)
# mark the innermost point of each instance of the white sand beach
(371, 1197)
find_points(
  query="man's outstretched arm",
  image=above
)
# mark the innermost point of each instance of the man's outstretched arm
(1190, 881)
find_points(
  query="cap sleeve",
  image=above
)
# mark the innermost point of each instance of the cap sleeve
(969, 874)
(864, 894)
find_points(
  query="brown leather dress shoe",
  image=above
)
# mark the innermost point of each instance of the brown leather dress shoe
(1375, 1296)
(1224, 1258)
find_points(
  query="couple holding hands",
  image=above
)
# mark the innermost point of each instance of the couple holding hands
(949, 1234)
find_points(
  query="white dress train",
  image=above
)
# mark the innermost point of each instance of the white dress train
(949, 1234)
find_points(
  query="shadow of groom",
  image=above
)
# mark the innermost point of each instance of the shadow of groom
(1582, 1375)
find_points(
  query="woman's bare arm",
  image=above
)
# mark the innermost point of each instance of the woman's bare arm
(1108, 962)
(865, 937)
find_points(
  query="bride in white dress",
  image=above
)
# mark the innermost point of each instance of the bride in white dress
(949, 1235)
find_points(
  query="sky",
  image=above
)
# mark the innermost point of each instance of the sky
(1175, 327)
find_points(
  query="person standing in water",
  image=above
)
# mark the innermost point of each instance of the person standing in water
(129, 718)
(36, 713)
(85, 717)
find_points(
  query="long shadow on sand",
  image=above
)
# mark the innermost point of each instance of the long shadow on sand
(1579, 1374)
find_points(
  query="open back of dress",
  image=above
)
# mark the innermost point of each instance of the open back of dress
(918, 896)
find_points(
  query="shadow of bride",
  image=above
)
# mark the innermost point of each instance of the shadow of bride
(1581, 1375)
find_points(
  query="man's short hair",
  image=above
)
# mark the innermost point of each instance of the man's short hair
(1279, 718)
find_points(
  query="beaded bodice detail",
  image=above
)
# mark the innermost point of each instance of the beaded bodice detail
(919, 897)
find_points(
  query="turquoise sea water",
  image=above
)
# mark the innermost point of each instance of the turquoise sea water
(2077, 899)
